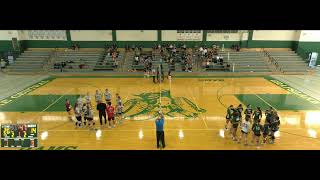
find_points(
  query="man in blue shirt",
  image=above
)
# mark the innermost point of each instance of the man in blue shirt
(160, 133)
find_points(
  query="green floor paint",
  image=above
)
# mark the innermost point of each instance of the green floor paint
(251, 99)
(278, 101)
(38, 103)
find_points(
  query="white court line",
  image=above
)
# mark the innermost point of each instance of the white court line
(198, 108)
(265, 102)
(262, 99)
(55, 101)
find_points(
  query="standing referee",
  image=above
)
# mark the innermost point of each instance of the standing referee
(101, 107)
(160, 133)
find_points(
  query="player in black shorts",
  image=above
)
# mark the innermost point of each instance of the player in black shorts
(240, 110)
(274, 126)
(89, 115)
(248, 112)
(229, 116)
(85, 113)
(257, 115)
(266, 131)
(77, 112)
(235, 124)
(257, 129)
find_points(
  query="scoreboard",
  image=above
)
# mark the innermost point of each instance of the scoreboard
(19, 135)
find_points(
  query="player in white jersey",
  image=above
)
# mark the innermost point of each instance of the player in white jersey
(245, 128)
(119, 108)
(98, 96)
(89, 115)
(107, 96)
(77, 112)
(88, 99)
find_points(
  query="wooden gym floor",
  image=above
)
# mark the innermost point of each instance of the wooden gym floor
(195, 109)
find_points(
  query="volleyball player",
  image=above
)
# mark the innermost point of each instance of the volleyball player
(245, 127)
(107, 96)
(248, 112)
(240, 109)
(68, 108)
(274, 126)
(88, 99)
(98, 97)
(266, 131)
(257, 114)
(119, 108)
(77, 112)
(84, 112)
(235, 124)
(257, 129)
(110, 112)
(89, 115)
(229, 116)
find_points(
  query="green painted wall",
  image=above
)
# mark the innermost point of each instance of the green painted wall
(204, 35)
(114, 36)
(271, 44)
(5, 46)
(159, 35)
(68, 34)
(250, 35)
(304, 48)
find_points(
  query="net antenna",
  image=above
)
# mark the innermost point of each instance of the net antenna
(160, 87)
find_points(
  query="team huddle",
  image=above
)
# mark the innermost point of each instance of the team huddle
(83, 108)
(268, 130)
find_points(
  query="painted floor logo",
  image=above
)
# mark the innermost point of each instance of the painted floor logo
(23, 92)
(296, 92)
(147, 105)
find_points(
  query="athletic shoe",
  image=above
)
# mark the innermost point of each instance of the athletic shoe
(109, 127)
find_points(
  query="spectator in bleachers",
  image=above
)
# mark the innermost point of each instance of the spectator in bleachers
(174, 51)
(201, 50)
(82, 64)
(114, 56)
(136, 60)
(221, 60)
(2, 64)
(184, 47)
(238, 48)
(204, 52)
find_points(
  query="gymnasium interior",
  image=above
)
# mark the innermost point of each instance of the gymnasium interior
(205, 71)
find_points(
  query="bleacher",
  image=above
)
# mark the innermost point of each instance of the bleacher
(76, 61)
(178, 66)
(246, 61)
(30, 61)
(107, 64)
(289, 61)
